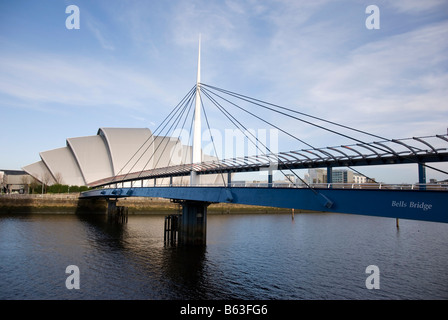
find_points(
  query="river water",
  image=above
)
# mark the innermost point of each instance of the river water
(247, 256)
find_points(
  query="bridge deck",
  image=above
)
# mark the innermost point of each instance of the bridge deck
(427, 205)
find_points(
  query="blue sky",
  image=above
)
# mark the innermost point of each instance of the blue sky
(131, 62)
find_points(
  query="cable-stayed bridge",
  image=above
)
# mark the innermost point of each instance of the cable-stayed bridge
(185, 181)
(420, 201)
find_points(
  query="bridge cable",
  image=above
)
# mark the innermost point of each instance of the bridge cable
(165, 137)
(180, 132)
(230, 102)
(248, 99)
(175, 110)
(227, 114)
(431, 167)
(254, 101)
(182, 106)
(170, 116)
(265, 121)
(245, 98)
(363, 174)
(283, 163)
(181, 109)
(190, 140)
(257, 102)
(213, 141)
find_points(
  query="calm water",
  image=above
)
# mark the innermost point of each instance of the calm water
(314, 256)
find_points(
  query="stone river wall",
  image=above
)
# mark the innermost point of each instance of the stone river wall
(70, 204)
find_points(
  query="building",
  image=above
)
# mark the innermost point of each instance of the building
(343, 176)
(112, 151)
(12, 181)
(316, 176)
(436, 182)
(338, 176)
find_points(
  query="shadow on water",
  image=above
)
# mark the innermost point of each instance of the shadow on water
(178, 272)
(185, 268)
(91, 207)
(93, 213)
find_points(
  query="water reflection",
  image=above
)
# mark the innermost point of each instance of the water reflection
(185, 269)
(316, 256)
(179, 271)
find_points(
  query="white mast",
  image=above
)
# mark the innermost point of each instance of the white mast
(197, 135)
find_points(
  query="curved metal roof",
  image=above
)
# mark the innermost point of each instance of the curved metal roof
(113, 151)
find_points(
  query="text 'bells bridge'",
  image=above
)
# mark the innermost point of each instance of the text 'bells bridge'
(420, 202)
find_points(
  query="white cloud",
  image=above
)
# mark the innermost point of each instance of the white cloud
(394, 83)
(219, 25)
(416, 6)
(80, 82)
(402, 72)
(95, 27)
(235, 6)
(310, 55)
(391, 85)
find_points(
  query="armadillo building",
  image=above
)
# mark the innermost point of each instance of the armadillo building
(112, 151)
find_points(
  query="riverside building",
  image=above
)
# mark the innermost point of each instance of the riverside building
(111, 152)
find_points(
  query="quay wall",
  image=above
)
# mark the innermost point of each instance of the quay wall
(70, 204)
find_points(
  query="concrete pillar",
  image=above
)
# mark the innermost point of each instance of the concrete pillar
(111, 206)
(111, 209)
(116, 213)
(193, 223)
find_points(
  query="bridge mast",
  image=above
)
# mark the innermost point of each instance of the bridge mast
(197, 135)
(193, 221)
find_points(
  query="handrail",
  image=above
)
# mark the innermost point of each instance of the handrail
(237, 164)
(350, 186)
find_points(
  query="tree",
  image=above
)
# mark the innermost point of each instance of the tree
(58, 178)
(46, 178)
(35, 186)
(25, 180)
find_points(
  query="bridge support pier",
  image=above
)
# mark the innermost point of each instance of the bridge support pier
(111, 206)
(116, 213)
(193, 223)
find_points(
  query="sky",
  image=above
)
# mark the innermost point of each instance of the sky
(131, 62)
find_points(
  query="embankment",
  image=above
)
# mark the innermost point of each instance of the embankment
(48, 203)
(70, 204)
